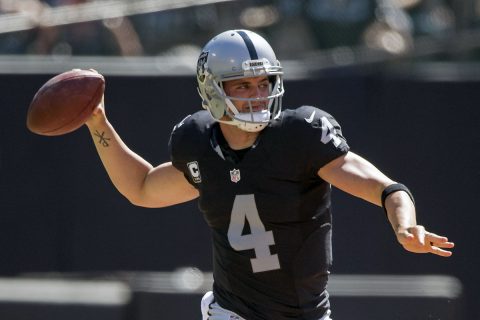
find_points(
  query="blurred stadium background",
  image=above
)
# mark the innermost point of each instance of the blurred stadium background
(402, 76)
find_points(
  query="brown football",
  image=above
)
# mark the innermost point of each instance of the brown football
(65, 102)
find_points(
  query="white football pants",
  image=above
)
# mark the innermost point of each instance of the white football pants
(213, 311)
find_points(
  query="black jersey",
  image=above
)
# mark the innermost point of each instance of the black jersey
(269, 212)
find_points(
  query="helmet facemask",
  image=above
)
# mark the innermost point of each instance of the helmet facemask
(254, 119)
(219, 63)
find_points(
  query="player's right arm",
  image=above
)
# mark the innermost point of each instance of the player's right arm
(134, 177)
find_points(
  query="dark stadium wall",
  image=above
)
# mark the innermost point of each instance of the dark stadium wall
(60, 212)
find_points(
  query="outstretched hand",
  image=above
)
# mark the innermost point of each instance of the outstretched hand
(418, 240)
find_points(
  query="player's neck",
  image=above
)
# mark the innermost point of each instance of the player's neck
(236, 138)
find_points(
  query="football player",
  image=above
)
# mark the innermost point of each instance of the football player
(263, 178)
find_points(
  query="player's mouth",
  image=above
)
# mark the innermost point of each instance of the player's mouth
(255, 107)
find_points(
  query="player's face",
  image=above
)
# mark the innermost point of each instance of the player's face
(255, 87)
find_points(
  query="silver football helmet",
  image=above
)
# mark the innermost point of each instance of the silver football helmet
(232, 55)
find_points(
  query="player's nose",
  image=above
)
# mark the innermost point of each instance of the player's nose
(258, 92)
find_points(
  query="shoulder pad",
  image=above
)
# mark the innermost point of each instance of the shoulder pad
(191, 136)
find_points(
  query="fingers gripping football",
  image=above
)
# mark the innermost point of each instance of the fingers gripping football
(416, 239)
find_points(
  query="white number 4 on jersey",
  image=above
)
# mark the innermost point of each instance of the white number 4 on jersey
(329, 133)
(260, 240)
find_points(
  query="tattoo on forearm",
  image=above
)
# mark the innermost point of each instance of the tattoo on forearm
(102, 139)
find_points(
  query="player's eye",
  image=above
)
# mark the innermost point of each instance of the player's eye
(242, 86)
(264, 85)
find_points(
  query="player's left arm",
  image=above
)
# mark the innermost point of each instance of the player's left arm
(355, 175)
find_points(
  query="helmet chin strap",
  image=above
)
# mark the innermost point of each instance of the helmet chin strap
(245, 125)
(262, 116)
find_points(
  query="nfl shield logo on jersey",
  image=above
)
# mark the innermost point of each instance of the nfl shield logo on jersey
(235, 175)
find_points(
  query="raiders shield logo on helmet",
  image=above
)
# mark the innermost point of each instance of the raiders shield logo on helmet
(202, 61)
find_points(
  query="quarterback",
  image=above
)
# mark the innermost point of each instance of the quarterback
(262, 176)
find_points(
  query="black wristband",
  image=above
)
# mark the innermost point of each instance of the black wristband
(394, 188)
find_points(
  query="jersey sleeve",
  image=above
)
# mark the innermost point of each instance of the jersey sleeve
(322, 137)
(188, 141)
(177, 156)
